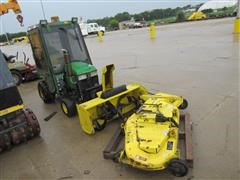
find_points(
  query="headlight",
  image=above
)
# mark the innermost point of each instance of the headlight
(83, 76)
(93, 73)
(43, 22)
(74, 19)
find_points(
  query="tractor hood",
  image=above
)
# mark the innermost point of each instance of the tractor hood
(79, 68)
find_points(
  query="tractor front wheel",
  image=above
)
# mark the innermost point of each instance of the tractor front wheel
(44, 92)
(68, 107)
(178, 167)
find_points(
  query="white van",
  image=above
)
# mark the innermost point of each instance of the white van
(94, 28)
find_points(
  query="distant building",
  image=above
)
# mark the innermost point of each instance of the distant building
(217, 4)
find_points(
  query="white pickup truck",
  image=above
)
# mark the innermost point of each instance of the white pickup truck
(91, 28)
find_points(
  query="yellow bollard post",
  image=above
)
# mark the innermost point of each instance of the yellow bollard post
(152, 31)
(100, 36)
(236, 25)
(236, 28)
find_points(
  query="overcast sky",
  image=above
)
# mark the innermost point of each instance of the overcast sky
(88, 9)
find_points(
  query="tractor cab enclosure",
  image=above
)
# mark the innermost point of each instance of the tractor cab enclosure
(63, 62)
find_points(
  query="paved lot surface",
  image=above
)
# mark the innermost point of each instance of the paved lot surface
(198, 60)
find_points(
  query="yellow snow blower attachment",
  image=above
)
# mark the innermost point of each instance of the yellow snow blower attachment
(152, 136)
(110, 103)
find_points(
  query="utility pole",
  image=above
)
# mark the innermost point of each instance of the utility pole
(238, 6)
(4, 30)
(44, 15)
(6, 34)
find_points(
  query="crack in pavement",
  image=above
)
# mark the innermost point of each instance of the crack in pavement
(216, 107)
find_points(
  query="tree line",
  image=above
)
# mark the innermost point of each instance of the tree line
(10, 36)
(112, 22)
(177, 14)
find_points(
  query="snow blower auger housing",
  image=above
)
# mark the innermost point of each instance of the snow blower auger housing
(16, 123)
(110, 103)
(152, 136)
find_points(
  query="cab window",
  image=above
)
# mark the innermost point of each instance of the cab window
(37, 50)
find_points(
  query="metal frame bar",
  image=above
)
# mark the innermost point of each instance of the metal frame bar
(111, 149)
(186, 136)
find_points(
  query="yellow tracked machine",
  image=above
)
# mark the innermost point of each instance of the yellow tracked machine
(17, 124)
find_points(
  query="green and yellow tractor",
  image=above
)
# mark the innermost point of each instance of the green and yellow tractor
(63, 63)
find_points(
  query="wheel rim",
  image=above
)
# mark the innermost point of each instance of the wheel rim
(64, 108)
(15, 78)
(101, 122)
(41, 93)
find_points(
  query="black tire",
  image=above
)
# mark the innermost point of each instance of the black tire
(44, 92)
(68, 107)
(103, 33)
(184, 105)
(178, 167)
(99, 124)
(17, 77)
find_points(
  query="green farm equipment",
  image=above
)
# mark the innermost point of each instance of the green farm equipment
(63, 63)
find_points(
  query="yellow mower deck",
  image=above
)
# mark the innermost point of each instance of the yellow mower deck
(153, 136)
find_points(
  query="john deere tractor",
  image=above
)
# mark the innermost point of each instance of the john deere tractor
(63, 63)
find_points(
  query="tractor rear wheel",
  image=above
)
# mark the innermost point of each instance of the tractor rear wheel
(44, 92)
(68, 107)
(178, 167)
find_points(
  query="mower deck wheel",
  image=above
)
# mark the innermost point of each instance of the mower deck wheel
(184, 105)
(178, 167)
